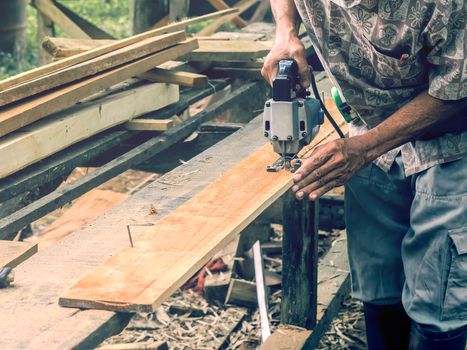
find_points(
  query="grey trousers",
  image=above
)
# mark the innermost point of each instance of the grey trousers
(407, 241)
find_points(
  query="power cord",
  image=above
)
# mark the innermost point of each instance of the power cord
(323, 107)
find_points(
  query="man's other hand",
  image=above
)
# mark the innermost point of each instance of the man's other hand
(329, 166)
(287, 47)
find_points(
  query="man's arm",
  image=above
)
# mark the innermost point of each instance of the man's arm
(286, 42)
(334, 163)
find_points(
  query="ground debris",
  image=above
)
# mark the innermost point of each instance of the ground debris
(347, 331)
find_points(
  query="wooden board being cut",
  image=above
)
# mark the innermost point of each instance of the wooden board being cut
(139, 279)
(19, 115)
(48, 136)
(14, 253)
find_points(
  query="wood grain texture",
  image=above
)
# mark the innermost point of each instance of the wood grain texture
(139, 279)
(46, 137)
(148, 124)
(228, 50)
(299, 262)
(14, 253)
(187, 79)
(86, 209)
(91, 67)
(19, 115)
(88, 55)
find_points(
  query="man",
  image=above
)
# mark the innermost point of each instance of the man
(401, 65)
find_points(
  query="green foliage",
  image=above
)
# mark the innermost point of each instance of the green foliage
(113, 16)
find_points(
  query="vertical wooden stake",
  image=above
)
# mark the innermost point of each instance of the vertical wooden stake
(299, 262)
(45, 27)
(261, 292)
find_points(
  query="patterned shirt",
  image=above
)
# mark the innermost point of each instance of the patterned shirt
(383, 53)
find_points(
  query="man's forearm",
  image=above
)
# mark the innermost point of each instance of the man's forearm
(412, 120)
(286, 16)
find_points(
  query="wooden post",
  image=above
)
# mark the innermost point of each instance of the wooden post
(178, 9)
(146, 13)
(45, 27)
(299, 262)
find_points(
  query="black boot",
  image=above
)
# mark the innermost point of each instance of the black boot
(387, 327)
(423, 339)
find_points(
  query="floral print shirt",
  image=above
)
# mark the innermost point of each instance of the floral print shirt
(382, 53)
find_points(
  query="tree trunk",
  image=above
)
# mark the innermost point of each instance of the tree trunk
(12, 26)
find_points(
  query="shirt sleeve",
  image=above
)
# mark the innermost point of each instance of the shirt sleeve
(446, 40)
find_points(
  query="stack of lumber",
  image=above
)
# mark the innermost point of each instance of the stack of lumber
(38, 116)
(238, 55)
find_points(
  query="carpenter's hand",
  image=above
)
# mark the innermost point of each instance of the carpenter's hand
(329, 166)
(286, 47)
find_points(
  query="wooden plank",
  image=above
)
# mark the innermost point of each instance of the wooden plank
(184, 241)
(210, 49)
(187, 79)
(46, 137)
(91, 67)
(10, 225)
(242, 292)
(20, 115)
(173, 27)
(228, 50)
(148, 124)
(66, 47)
(299, 262)
(222, 5)
(242, 6)
(48, 9)
(14, 253)
(86, 209)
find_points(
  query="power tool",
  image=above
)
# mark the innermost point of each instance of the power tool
(291, 118)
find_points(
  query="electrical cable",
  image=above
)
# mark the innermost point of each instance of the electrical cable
(323, 107)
